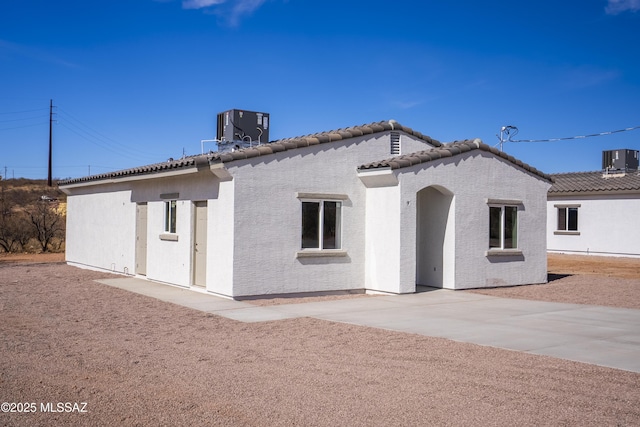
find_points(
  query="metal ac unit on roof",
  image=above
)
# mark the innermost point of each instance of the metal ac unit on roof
(620, 160)
(241, 129)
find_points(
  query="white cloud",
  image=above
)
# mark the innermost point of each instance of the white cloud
(615, 7)
(228, 10)
(247, 6)
(241, 8)
(199, 4)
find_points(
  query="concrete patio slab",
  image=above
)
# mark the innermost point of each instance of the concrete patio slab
(598, 335)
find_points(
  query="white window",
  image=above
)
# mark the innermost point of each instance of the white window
(568, 218)
(170, 216)
(503, 227)
(321, 224)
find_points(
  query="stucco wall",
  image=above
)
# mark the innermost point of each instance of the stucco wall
(382, 262)
(101, 223)
(220, 240)
(253, 220)
(170, 260)
(607, 225)
(473, 178)
(101, 231)
(267, 230)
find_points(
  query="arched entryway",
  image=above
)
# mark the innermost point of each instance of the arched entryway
(435, 240)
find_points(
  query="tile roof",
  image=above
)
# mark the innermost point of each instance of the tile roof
(320, 138)
(449, 150)
(261, 150)
(590, 182)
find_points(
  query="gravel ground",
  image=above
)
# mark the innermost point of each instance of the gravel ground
(138, 361)
(612, 282)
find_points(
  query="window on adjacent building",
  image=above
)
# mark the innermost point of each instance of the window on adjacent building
(170, 216)
(503, 227)
(567, 218)
(321, 224)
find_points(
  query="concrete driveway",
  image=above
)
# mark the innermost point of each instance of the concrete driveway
(591, 334)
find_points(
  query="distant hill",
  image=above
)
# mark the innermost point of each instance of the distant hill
(32, 216)
(23, 192)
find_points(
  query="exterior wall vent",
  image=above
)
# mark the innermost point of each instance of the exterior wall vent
(620, 160)
(395, 143)
(241, 129)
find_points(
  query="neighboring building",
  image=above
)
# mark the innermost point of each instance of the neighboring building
(320, 213)
(597, 212)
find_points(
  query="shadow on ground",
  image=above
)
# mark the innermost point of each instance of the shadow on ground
(552, 276)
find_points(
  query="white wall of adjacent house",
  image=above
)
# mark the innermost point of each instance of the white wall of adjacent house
(607, 225)
(101, 231)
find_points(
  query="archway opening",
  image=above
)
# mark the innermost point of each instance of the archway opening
(435, 240)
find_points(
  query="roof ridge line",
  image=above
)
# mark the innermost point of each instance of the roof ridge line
(449, 150)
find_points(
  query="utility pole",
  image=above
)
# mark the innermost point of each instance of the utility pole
(49, 180)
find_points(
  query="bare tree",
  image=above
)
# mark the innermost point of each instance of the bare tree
(15, 231)
(47, 221)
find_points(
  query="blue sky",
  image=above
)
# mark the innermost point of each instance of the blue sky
(138, 81)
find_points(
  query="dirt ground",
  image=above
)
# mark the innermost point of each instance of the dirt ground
(606, 281)
(12, 258)
(561, 264)
(133, 360)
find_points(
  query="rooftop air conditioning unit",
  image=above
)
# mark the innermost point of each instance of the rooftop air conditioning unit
(242, 129)
(620, 160)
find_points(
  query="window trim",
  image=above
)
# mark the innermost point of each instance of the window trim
(170, 217)
(330, 197)
(321, 198)
(503, 204)
(566, 231)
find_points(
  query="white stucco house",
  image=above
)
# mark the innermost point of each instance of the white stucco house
(594, 213)
(377, 207)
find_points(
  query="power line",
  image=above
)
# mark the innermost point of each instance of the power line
(23, 111)
(19, 116)
(90, 134)
(21, 119)
(26, 126)
(573, 137)
(98, 143)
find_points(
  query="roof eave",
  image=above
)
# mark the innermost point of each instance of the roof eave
(129, 178)
(589, 193)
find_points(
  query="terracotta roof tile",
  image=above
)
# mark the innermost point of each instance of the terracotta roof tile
(448, 150)
(246, 153)
(588, 182)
